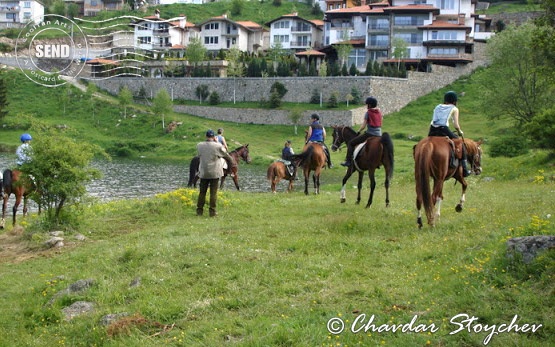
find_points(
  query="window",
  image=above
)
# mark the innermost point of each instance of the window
(94, 3)
(281, 38)
(143, 26)
(27, 4)
(444, 51)
(10, 16)
(376, 55)
(378, 40)
(444, 35)
(303, 41)
(408, 20)
(302, 26)
(282, 24)
(145, 40)
(411, 38)
(357, 56)
(26, 15)
(378, 23)
(446, 4)
(211, 40)
(212, 26)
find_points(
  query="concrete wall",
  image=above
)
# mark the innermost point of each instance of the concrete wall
(392, 93)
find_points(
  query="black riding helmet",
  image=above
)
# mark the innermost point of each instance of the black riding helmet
(450, 97)
(371, 101)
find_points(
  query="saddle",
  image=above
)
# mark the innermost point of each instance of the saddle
(357, 150)
(289, 165)
(456, 153)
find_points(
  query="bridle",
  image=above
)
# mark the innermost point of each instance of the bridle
(339, 138)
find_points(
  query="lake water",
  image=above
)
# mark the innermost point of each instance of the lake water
(124, 179)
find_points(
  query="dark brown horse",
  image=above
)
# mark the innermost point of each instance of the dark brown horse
(376, 151)
(14, 182)
(433, 159)
(313, 158)
(231, 170)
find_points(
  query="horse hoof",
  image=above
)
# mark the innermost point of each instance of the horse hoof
(459, 208)
(343, 201)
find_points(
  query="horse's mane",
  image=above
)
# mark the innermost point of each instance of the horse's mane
(349, 129)
(238, 148)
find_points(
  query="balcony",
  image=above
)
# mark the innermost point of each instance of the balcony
(300, 44)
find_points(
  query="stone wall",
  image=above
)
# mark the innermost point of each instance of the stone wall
(392, 93)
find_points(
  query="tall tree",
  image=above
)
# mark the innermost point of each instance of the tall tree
(516, 84)
(162, 105)
(125, 97)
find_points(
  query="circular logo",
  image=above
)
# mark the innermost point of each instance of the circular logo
(49, 48)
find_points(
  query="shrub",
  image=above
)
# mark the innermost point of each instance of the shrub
(315, 97)
(511, 145)
(275, 100)
(279, 88)
(214, 98)
(332, 101)
(202, 92)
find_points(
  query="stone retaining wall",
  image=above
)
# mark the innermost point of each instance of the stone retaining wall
(392, 93)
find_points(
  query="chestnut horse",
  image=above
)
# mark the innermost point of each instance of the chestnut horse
(313, 158)
(14, 182)
(239, 153)
(278, 171)
(376, 151)
(433, 159)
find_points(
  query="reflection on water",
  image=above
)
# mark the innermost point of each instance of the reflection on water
(123, 179)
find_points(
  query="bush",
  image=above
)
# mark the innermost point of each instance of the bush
(214, 98)
(315, 97)
(332, 101)
(202, 92)
(275, 100)
(510, 146)
(279, 88)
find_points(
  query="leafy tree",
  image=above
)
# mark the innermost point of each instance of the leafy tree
(125, 97)
(3, 98)
(196, 52)
(58, 7)
(400, 50)
(235, 67)
(356, 95)
(542, 129)
(162, 105)
(295, 116)
(323, 72)
(61, 170)
(517, 83)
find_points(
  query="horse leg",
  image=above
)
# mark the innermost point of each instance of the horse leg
(386, 184)
(15, 207)
(235, 180)
(437, 197)
(222, 180)
(459, 206)
(359, 186)
(5, 198)
(345, 179)
(418, 208)
(290, 187)
(306, 176)
(317, 178)
(314, 182)
(372, 187)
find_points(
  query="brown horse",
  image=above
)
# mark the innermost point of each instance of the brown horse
(376, 151)
(278, 171)
(313, 158)
(433, 159)
(14, 182)
(231, 170)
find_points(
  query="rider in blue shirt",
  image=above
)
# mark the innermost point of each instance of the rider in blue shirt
(317, 133)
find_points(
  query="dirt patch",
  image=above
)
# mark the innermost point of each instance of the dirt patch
(15, 248)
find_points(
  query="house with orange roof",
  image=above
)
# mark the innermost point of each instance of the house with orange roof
(222, 33)
(155, 33)
(433, 31)
(296, 33)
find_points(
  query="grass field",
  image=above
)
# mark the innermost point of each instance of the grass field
(284, 269)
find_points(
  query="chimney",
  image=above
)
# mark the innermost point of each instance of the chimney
(182, 21)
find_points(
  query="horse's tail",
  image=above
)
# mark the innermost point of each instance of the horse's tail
(304, 157)
(7, 179)
(423, 164)
(271, 173)
(193, 169)
(389, 155)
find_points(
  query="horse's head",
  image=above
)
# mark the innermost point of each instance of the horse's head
(337, 137)
(474, 155)
(244, 153)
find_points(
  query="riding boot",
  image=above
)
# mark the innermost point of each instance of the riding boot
(328, 157)
(349, 159)
(466, 172)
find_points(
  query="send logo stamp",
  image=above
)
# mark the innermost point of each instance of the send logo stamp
(50, 48)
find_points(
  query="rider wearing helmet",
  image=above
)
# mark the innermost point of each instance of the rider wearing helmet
(317, 133)
(24, 151)
(439, 126)
(373, 124)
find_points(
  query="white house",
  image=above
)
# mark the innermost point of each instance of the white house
(296, 33)
(18, 13)
(219, 33)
